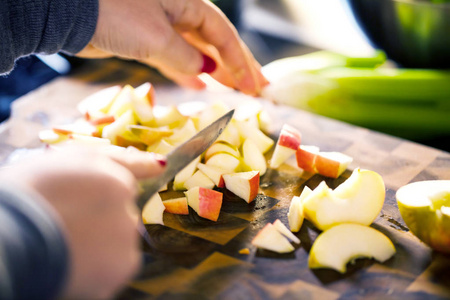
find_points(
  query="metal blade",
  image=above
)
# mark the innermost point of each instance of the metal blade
(179, 158)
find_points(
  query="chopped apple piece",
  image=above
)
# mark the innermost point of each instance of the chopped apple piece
(248, 131)
(243, 184)
(205, 202)
(149, 135)
(168, 116)
(306, 157)
(122, 102)
(224, 161)
(253, 158)
(337, 246)
(182, 134)
(127, 139)
(231, 134)
(425, 208)
(332, 164)
(79, 127)
(177, 206)
(214, 173)
(295, 214)
(119, 126)
(142, 108)
(359, 200)
(222, 147)
(199, 179)
(146, 91)
(49, 136)
(212, 113)
(152, 213)
(287, 144)
(270, 238)
(285, 231)
(99, 102)
(161, 147)
(185, 174)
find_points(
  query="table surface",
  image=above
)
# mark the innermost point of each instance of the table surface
(193, 258)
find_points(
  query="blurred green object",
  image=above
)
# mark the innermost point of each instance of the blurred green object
(413, 33)
(410, 103)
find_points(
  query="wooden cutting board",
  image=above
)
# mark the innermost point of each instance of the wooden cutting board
(193, 258)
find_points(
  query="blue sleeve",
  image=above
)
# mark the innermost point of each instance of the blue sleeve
(44, 26)
(33, 251)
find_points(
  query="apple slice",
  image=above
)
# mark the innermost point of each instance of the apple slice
(185, 174)
(231, 134)
(152, 213)
(205, 202)
(168, 116)
(98, 102)
(122, 102)
(182, 134)
(142, 107)
(149, 135)
(359, 200)
(79, 127)
(285, 231)
(337, 246)
(101, 120)
(332, 164)
(224, 161)
(160, 147)
(253, 159)
(146, 91)
(247, 131)
(214, 173)
(211, 113)
(243, 184)
(199, 179)
(295, 214)
(127, 139)
(425, 208)
(49, 136)
(222, 147)
(270, 238)
(306, 157)
(287, 144)
(119, 126)
(177, 206)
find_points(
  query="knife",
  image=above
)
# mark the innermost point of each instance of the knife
(177, 160)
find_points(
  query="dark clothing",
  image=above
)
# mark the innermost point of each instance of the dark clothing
(33, 252)
(44, 26)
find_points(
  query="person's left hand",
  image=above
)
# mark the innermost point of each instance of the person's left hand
(181, 38)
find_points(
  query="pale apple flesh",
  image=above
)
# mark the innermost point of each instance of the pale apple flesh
(243, 184)
(425, 208)
(344, 243)
(178, 206)
(253, 159)
(271, 239)
(153, 211)
(205, 202)
(359, 200)
(332, 164)
(295, 214)
(285, 231)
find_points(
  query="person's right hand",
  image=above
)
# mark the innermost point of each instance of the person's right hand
(179, 37)
(93, 195)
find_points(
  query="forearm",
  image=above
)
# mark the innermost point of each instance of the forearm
(44, 26)
(33, 252)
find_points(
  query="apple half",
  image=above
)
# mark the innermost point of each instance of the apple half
(359, 200)
(425, 208)
(344, 243)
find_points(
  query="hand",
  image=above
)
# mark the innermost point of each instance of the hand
(179, 37)
(94, 197)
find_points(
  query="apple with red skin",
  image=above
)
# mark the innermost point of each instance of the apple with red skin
(287, 144)
(332, 164)
(243, 184)
(205, 202)
(306, 157)
(178, 206)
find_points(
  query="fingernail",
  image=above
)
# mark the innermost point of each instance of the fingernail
(161, 161)
(209, 65)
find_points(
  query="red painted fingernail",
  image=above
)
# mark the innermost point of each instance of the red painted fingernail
(161, 161)
(209, 65)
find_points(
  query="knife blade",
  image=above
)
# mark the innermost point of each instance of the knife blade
(179, 158)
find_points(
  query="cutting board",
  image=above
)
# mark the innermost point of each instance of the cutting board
(193, 258)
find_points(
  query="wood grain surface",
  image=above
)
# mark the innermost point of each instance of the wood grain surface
(193, 258)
